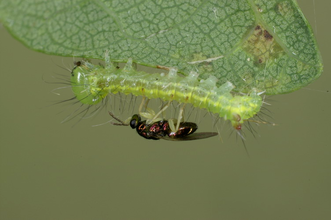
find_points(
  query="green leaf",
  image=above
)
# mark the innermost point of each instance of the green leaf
(266, 44)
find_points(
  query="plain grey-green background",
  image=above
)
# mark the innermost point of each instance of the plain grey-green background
(51, 170)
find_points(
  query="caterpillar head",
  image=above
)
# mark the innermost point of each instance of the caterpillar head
(87, 83)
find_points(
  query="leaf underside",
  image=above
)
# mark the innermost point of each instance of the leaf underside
(263, 44)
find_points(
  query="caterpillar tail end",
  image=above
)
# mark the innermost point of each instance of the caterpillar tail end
(237, 122)
(244, 108)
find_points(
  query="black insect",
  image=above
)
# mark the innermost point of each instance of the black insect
(161, 130)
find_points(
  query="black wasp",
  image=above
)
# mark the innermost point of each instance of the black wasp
(161, 129)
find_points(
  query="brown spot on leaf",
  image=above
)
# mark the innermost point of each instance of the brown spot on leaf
(267, 35)
(262, 46)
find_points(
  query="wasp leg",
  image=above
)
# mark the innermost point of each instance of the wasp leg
(148, 113)
(155, 118)
(180, 117)
(143, 104)
(172, 122)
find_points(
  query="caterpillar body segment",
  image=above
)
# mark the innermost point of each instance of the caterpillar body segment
(92, 83)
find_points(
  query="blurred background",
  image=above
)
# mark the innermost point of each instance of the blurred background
(54, 170)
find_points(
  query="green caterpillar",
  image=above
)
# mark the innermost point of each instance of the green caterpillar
(92, 83)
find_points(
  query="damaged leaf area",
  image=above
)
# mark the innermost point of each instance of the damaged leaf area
(263, 49)
(263, 44)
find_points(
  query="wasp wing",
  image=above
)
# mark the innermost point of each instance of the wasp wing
(192, 137)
